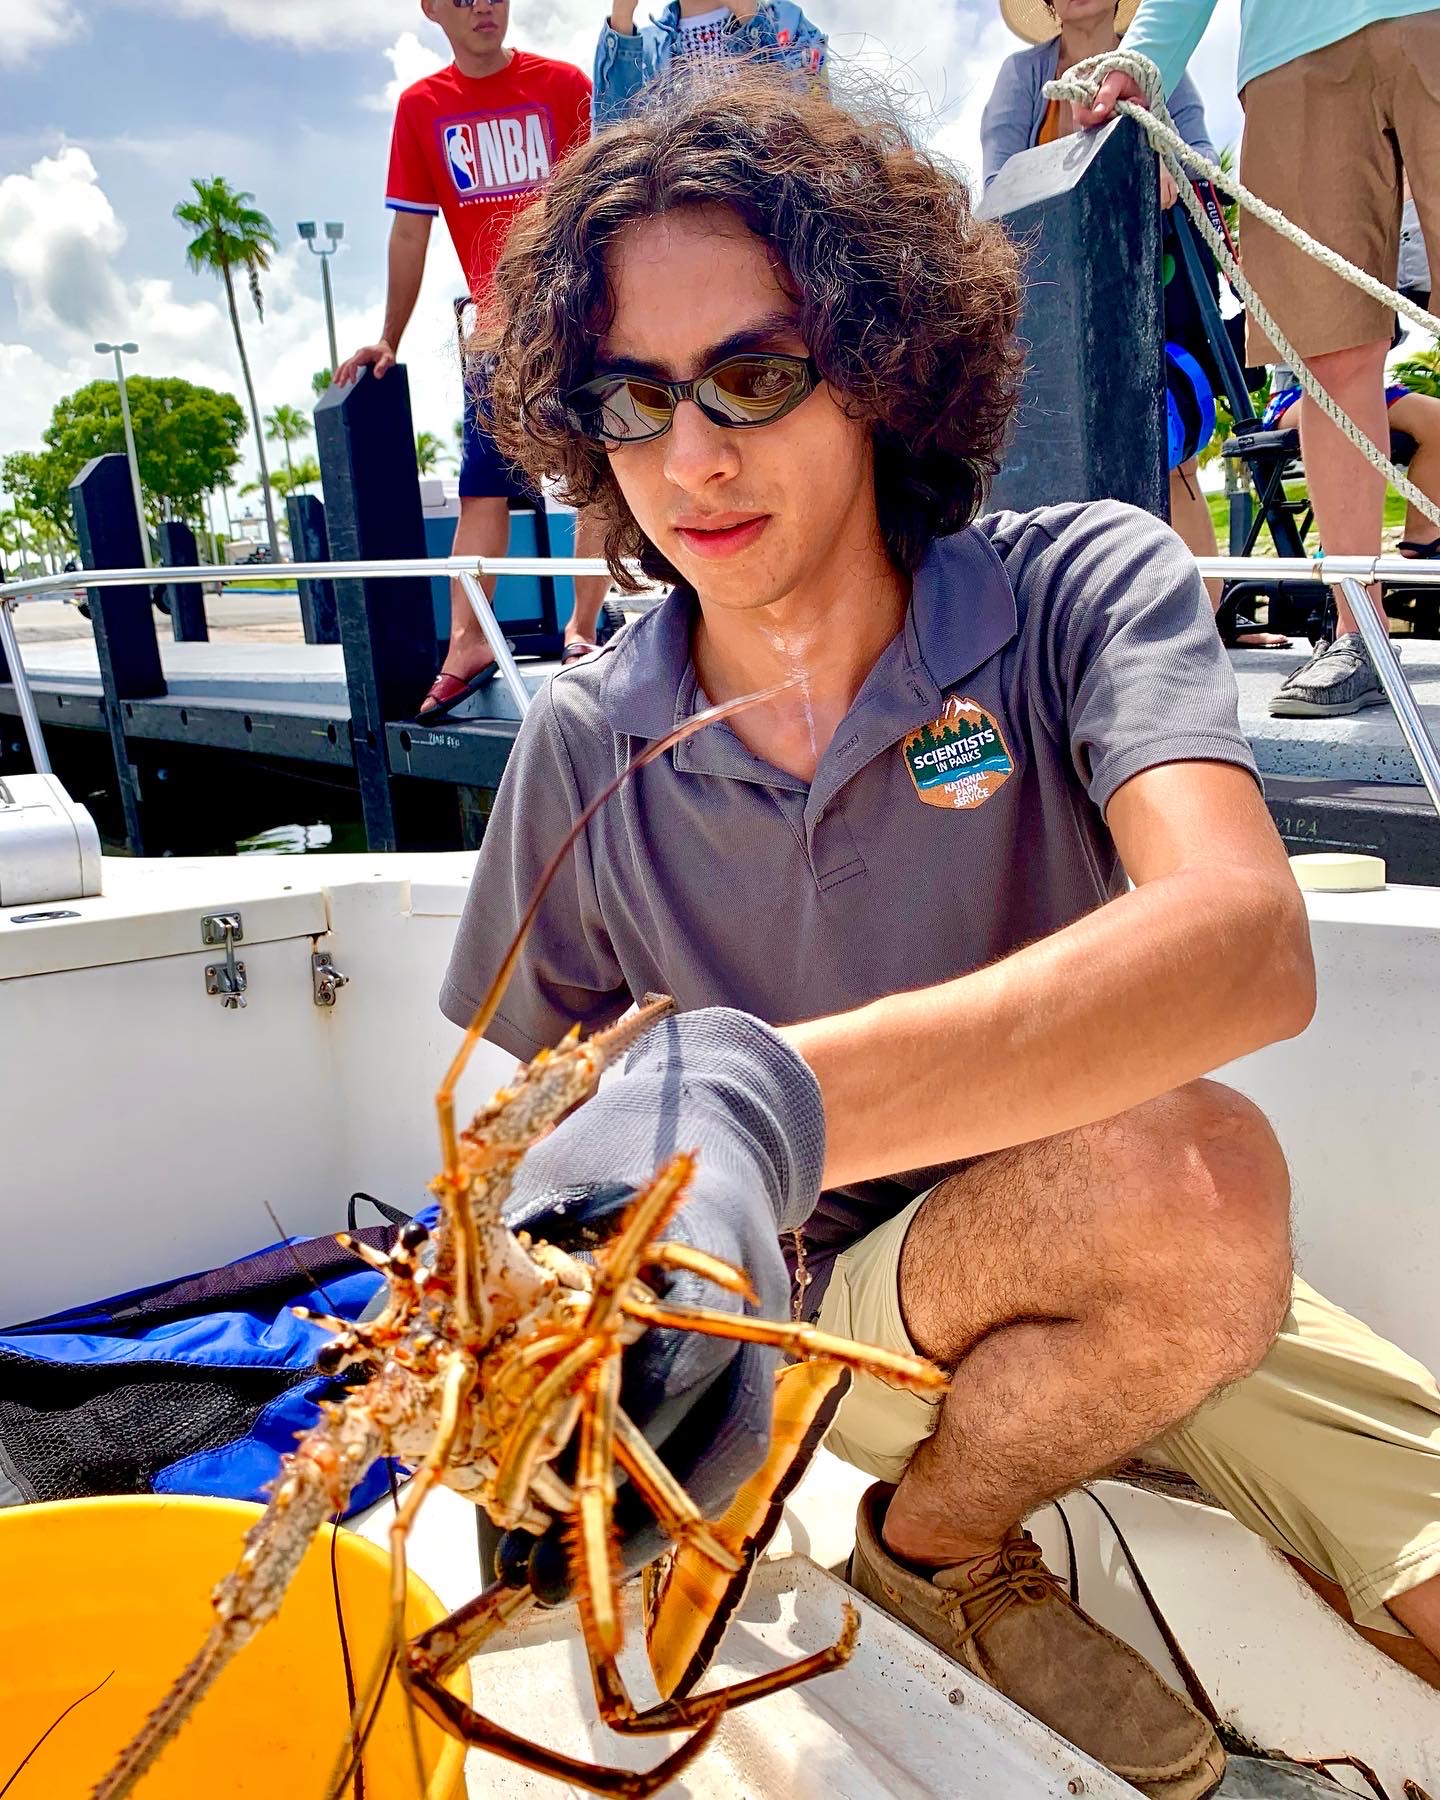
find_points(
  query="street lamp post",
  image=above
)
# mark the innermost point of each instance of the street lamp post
(119, 351)
(334, 232)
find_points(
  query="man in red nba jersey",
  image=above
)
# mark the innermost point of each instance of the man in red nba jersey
(474, 142)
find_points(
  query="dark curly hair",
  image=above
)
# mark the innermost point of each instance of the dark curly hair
(908, 303)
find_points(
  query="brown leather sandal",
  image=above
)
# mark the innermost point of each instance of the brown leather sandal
(448, 691)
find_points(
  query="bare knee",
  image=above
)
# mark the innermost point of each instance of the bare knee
(484, 526)
(1359, 362)
(1210, 1200)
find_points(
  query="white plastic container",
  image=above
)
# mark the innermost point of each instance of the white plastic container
(49, 847)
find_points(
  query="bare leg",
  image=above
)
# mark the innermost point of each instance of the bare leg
(1348, 495)
(1190, 517)
(1091, 1290)
(1419, 414)
(590, 590)
(1419, 1612)
(483, 530)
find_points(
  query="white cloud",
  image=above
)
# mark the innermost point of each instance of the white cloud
(60, 237)
(58, 233)
(409, 60)
(308, 24)
(27, 29)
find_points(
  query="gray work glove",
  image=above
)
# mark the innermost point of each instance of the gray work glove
(728, 1087)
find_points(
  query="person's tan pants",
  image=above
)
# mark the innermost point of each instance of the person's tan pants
(1331, 1449)
(1325, 138)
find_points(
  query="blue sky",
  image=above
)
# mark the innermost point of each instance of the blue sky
(106, 113)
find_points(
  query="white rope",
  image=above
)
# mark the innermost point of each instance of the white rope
(1080, 84)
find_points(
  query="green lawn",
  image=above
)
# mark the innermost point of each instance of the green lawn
(1220, 512)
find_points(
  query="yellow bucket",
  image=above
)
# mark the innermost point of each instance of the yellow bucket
(121, 1588)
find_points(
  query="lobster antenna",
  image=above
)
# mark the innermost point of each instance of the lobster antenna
(712, 715)
(16, 1771)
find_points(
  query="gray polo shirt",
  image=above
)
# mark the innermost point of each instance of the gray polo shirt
(957, 814)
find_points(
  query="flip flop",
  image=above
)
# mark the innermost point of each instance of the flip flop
(449, 691)
(1243, 627)
(576, 651)
(1417, 551)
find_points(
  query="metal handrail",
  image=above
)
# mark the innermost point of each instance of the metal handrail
(1349, 572)
(392, 569)
(1376, 634)
(1401, 571)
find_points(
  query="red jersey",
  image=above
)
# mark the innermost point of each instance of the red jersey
(476, 150)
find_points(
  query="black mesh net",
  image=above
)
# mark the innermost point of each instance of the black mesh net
(70, 1431)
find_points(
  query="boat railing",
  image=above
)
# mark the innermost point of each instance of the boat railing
(1350, 573)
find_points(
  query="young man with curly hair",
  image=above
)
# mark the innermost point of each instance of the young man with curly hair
(928, 1028)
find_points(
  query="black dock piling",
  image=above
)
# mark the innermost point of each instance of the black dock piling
(183, 600)
(366, 442)
(124, 622)
(310, 543)
(1091, 424)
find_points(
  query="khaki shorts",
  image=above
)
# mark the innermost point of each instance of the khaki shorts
(1325, 137)
(1331, 1449)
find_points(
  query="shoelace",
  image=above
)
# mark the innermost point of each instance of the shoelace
(1021, 1580)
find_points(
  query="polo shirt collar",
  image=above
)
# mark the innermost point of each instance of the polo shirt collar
(961, 613)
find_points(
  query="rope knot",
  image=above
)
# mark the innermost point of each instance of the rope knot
(1081, 83)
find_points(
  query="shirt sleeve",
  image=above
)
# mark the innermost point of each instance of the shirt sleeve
(619, 74)
(410, 187)
(1167, 31)
(1006, 122)
(1140, 675)
(1188, 111)
(568, 972)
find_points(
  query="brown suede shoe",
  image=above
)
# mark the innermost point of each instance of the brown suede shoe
(1008, 1620)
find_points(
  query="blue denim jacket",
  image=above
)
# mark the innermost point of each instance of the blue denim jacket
(624, 65)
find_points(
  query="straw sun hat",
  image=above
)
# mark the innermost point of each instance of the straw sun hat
(1034, 21)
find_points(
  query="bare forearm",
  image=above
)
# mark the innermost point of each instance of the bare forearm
(1148, 992)
(409, 238)
(622, 16)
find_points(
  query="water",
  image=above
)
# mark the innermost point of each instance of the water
(795, 667)
(298, 840)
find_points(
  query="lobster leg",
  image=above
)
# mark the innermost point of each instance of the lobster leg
(597, 1583)
(676, 1513)
(461, 1721)
(689, 1600)
(798, 1340)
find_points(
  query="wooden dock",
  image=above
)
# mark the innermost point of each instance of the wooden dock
(283, 707)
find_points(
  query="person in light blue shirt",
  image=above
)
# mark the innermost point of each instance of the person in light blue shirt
(693, 32)
(1018, 117)
(1341, 100)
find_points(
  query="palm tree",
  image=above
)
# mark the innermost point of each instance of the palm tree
(1420, 371)
(303, 474)
(429, 452)
(320, 381)
(287, 425)
(231, 234)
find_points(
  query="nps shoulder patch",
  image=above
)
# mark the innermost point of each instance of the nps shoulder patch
(960, 759)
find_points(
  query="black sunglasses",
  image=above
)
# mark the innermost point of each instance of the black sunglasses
(739, 392)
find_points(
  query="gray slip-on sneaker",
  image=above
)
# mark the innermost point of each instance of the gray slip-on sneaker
(1338, 679)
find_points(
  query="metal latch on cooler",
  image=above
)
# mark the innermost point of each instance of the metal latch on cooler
(227, 979)
(326, 980)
